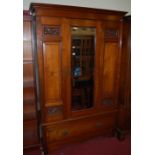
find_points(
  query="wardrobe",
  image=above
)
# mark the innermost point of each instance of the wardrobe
(77, 61)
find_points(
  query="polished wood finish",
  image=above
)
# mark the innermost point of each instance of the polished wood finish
(52, 74)
(72, 130)
(125, 80)
(30, 121)
(76, 12)
(109, 70)
(60, 123)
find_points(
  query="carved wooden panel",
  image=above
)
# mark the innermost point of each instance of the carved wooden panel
(55, 110)
(52, 30)
(107, 101)
(110, 64)
(54, 113)
(52, 73)
(111, 33)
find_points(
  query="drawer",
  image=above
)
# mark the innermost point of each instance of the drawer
(80, 127)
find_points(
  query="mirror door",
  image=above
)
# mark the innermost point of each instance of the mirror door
(82, 67)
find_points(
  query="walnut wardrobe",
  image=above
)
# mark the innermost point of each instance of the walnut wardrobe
(77, 53)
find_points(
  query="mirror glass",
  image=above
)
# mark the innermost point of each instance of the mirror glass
(83, 51)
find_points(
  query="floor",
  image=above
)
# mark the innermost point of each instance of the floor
(96, 146)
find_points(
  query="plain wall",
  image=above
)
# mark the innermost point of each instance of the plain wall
(121, 5)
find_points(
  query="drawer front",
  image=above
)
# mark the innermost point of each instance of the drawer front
(81, 127)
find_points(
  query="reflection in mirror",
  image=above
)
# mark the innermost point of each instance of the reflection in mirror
(83, 50)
